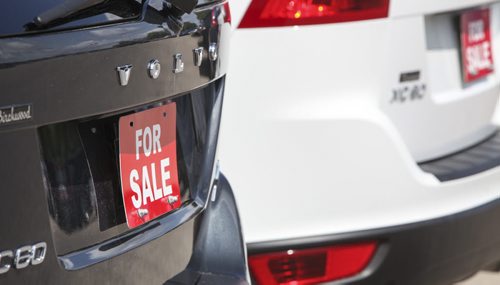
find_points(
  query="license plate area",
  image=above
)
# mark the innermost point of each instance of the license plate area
(148, 164)
(476, 45)
(81, 169)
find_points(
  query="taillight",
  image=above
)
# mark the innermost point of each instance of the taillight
(311, 266)
(225, 13)
(273, 13)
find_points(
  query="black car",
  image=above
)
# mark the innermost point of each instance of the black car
(109, 120)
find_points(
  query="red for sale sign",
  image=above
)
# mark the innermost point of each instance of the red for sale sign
(148, 164)
(477, 54)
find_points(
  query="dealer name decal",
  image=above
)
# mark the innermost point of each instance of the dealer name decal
(17, 113)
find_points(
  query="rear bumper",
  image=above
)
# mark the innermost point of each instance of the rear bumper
(439, 251)
(217, 258)
(476, 159)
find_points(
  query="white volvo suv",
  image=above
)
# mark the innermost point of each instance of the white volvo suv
(361, 139)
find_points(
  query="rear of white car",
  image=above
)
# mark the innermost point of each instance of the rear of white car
(367, 124)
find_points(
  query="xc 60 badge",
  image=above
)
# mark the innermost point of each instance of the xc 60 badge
(22, 257)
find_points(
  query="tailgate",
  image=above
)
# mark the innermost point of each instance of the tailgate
(62, 98)
(438, 108)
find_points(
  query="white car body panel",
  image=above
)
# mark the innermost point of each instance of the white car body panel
(424, 7)
(312, 142)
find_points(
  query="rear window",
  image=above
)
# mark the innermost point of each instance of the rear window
(16, 17)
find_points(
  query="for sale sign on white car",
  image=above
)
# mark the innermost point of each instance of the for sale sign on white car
(477, 55)
(148, 164)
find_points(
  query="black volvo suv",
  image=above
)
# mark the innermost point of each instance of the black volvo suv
(109, 120)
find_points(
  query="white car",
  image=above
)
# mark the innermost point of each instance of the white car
(361, 140)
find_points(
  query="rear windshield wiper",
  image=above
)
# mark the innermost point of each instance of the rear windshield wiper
(185, 6)
(64, 10)
(71, 7)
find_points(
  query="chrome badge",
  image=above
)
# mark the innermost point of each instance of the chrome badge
(22, 257)
(12, 114)
(124, 74)
(212, 52)
(154, 68)
(178, 63)
(198, 56)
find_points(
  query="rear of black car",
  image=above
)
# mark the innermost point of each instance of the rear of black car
(69, 71)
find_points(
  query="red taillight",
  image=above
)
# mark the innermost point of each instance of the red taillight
(311, 266)
(227, 15)
(273, 13)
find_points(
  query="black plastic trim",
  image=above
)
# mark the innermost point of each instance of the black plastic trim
(473, 160)
(219, 255)
(434, 252)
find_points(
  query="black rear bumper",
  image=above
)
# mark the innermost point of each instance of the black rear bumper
(435, 252)
(473, 160)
